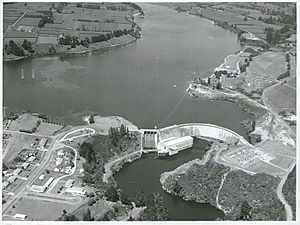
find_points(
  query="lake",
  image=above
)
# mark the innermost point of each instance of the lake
(144, 82)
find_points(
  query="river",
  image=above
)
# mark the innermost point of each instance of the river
(144, 82)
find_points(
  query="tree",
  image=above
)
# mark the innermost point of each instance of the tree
(287, 57)
(44, 20)
(112, 194)
(245, 211)
(253, 124)
(86, 216)
(219, 85)
(140, 199)
(27, 46)
(155, 209)
(14, 49)
(269, 36)
(130, 218)
(91, 119)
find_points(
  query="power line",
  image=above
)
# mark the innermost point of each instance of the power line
(174, 109)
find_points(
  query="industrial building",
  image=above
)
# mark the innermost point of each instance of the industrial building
(172, 146)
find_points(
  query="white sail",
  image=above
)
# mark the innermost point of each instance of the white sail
(33, 76)
(22, 75)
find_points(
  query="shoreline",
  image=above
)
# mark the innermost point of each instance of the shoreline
(93, 48)
(244, 103)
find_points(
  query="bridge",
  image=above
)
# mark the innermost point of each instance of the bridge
(151, 137)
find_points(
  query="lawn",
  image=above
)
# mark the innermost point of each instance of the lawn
(18, 143)
(24, 122)
(231, 62)
(97, 210)
(41, 210)
(47, 128)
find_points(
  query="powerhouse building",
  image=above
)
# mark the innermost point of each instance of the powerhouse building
(172, 146)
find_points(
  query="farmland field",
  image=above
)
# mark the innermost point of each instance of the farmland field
(29, 22)
(263, 167)
(292, 82)
(282, 97)
(283, 162)
(268, 64)
(47, 40)
(20, 34)
(276, 147)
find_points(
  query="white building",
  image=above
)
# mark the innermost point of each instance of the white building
(31, 158)
(173, 145)
(19, 216)
(42, 143)
(17, 171)
(25, 165)
(5, 184)
(41, 188)
(76, 191)
(60, 153)
(12, 179)
(69, 183)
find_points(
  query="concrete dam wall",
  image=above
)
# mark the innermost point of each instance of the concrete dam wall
(202, 130)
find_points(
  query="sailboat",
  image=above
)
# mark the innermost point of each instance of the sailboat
(22, 75)
(33, 76)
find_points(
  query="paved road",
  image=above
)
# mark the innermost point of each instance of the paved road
(35, 172)
(107, 167)
(46, 158)
(54, 183)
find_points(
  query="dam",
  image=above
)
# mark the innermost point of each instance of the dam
(155, 140)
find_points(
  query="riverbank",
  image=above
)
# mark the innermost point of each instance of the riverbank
(208, 181)
(42, 50)
(264, 125)
(260, 130)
